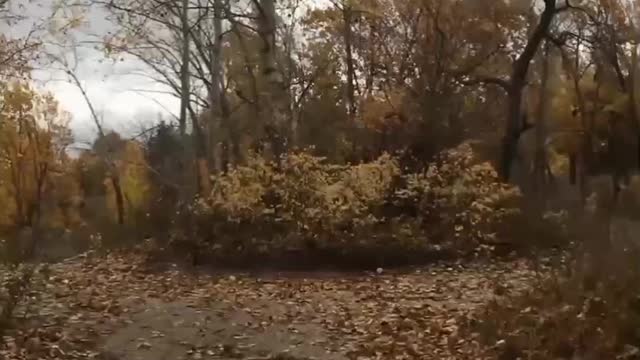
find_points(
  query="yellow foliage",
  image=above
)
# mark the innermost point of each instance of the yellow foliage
(8, 209)
(239, 192)
(462, 197)
(366, 184)
(306, 189)
(135, 176)
(338, 204)
(380, 113)
(305, 198)
(33, 136)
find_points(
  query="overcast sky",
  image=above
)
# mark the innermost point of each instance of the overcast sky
(126, 101)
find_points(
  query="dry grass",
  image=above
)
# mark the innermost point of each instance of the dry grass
(588, 309)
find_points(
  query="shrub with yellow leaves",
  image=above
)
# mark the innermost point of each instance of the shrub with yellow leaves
(461, 200)
(303, 202)
(307, 204)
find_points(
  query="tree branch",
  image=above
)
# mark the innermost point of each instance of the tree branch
(487, 80)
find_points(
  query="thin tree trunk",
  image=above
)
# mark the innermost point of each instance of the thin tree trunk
(293, 112)
(215, 93)
(199, 141)
(274, 99)
(633, 98)
(114, 174)
(347, 17)
(540, 162)
(633, 81)
(241, 145)
(578, 157)
(184, 70)
(117, 189)
(373, 56)
(41, 171)
(583, 156)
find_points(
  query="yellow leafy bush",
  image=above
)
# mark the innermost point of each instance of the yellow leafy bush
(239, 192)
(306, 203)
(302, 200)
(460, 199)
(360, 187)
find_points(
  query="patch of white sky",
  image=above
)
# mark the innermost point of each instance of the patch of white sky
(125, 100)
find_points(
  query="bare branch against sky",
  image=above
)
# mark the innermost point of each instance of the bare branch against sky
(108, 82)
(121, 89)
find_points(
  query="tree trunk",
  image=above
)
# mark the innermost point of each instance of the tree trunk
(199, 141)
(117, 190)
(41, 172)
(517, 84)
(184, 69)
(293, 109)
(633, 82)
(540, 162)
(633, 98)
(274, 99)
(216, 91)
(582, 155)
(347, 17)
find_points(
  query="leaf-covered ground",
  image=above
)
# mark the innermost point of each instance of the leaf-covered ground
(117, 308)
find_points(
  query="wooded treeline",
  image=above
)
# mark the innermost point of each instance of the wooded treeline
(357, 78)
(336, 120)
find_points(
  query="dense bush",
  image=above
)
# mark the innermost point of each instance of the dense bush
(306, 205)
(302, 204)
(461, 199)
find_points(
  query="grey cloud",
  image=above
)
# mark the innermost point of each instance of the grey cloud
(105, 79)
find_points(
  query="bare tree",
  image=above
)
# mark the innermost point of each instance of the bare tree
(517, 82)
(67, 60)
(171, 41)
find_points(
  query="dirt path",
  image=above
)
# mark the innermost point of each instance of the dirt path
(115, 309)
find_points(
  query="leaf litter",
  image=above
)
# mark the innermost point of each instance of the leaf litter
(114, 307)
